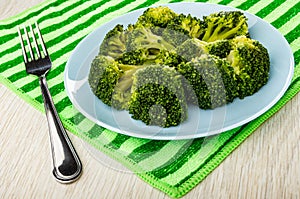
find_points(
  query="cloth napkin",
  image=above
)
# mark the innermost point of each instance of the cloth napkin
(174, 167)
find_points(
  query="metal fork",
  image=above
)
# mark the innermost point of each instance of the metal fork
(66, 163)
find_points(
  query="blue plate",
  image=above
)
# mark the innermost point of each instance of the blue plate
(200, 123)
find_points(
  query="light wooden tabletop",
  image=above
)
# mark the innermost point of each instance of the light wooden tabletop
(266, 165)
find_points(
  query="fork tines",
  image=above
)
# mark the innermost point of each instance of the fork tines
(32, 52)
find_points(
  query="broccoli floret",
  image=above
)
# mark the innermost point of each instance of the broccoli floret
(225, 25)
(122, 94)
(191, 48)
(137, 57)
(143, 38)
(158, 96)
(194, 47)
(111, 81)
(114, 42)
(183, 27)
(220, 48)
(251, 63)
(209, 81)
(156, 16)
(169, 58)
(103, 77)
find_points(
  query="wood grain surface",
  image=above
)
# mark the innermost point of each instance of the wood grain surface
(266, 165)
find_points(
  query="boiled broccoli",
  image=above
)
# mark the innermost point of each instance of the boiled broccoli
(209, 81)
(158, 96)
(157, 66)
(143, 38)
(111, 81)
(225, 25)
(122, 91)
(156, 16)
(169, 58)
(191, 48)
(194, 48)
(113, 44)
(103, 77)
(183, 27)
(251, 63)
(220, 48)
(137, 57)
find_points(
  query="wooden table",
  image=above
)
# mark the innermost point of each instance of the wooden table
(266, 165)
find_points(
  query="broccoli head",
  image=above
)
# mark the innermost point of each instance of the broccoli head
(183, 27)
(113, 43)
(158, 96)
(121, 95)
(220, 48)
(103, 77)
(169, 58)
(194, 48)
(208, 81)
(137, 57)
(156, 16)
(143, 38)
(225, 25)
(191, 48)
(251, 63)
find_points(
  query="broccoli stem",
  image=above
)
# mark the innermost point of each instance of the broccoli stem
(126, 80)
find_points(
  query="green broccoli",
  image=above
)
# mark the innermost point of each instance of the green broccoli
(220, 48)
(169, 58)
(142, 38)
(209, 81)
(251, 63)
(137, 57)
(156, 16)
(122, 91)
(191, 48)
(225, 25)
(103, 77)
(114, 42)
(158, 96)
(194, 48)
(183, 27)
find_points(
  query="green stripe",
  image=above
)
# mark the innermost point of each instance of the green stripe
(31, 15)
(61, 105)
(5, 38)
(147, 150)
(297, 57)
(145, 4)
(268, 9)
(175, 1)
(247, 4)
(293, 35)
(202, 1)
(293, 11)
(74, 17)
(77, 118)
(53, 26)
(118, 141)
(258, 6)
(179, 159)
(73, 31)
(95, 132)
(240, 130)
(225, 2)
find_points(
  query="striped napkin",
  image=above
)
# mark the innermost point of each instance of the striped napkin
(174, 167)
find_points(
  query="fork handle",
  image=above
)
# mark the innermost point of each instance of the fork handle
(67, 166)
